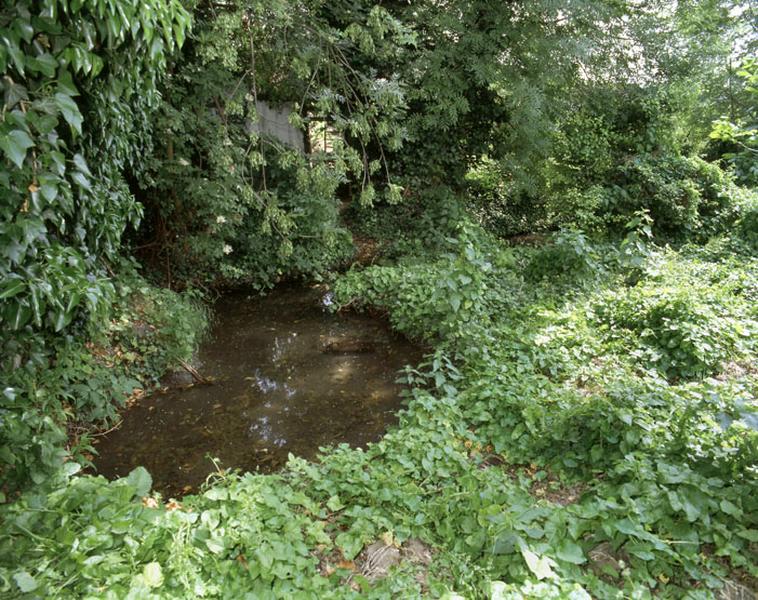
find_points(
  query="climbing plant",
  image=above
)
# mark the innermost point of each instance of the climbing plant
(78, 79)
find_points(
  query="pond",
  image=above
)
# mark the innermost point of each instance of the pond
(288, 377)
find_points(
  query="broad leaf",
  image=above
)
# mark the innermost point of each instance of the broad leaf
(69, 110)
(15, 144)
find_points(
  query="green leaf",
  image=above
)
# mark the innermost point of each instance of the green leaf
(14, 93)
(71, 468)
(750, 535)
(81, 164)
(140, 479)
(34, 296)
(692, 511)
(81, 179)
(152, 574)
(265, 556)
(66, 83)
(11, 288)
(69, 110)
(49, 188)
(15, 144)
(25, 582)
(540, 566)
(18, 315)
(455, 302)
(334, 504)
(730, 508)
(571, 552)
(156, 49)
(62, 319)
(45, 64)
(350, 543)
(16, 54)
(216, 493)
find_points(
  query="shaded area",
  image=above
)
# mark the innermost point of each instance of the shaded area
(290, 377)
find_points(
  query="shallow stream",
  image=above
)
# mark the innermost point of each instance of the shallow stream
(288, 377)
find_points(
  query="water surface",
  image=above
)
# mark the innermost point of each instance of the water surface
(289, 377)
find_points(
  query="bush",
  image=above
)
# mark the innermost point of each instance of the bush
(570, 255)
(685, 196)
(501, 207)
(746, 227)
(680, 331)
(57, 388)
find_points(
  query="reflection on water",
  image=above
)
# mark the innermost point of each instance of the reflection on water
(277, 391)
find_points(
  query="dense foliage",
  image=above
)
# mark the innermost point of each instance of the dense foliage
(561, 196)
(65, 201)
(742, 133)
(545, 424)
(244, 206)
(79, 79)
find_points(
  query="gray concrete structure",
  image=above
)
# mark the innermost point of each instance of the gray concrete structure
(273, 122)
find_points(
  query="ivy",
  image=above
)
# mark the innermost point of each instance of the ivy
(71, 75)
(65, 204)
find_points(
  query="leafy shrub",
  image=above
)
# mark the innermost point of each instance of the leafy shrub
(427, 300)
(746, 227)
(499, 205)
(570, 255)
(622, 151)
(741, 135)
(72, 384)
(682, 332)
(684, 196)
(156, 327)
(422, 227)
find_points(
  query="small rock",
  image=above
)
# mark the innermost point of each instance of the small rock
(177, 378)
(378, 559)
(416, 551)
(347, 345)
(605, 561)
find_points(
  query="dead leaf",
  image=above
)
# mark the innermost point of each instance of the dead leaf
(149, 502)
(347, 564)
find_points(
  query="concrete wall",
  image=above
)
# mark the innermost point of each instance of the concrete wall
(273, 122)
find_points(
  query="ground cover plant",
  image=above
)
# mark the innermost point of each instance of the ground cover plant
(539, 431)
(553, 198)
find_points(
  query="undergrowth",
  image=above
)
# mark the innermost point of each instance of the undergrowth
(57, 392)
(605, 410)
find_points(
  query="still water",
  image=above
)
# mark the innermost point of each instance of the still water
(288, 377)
